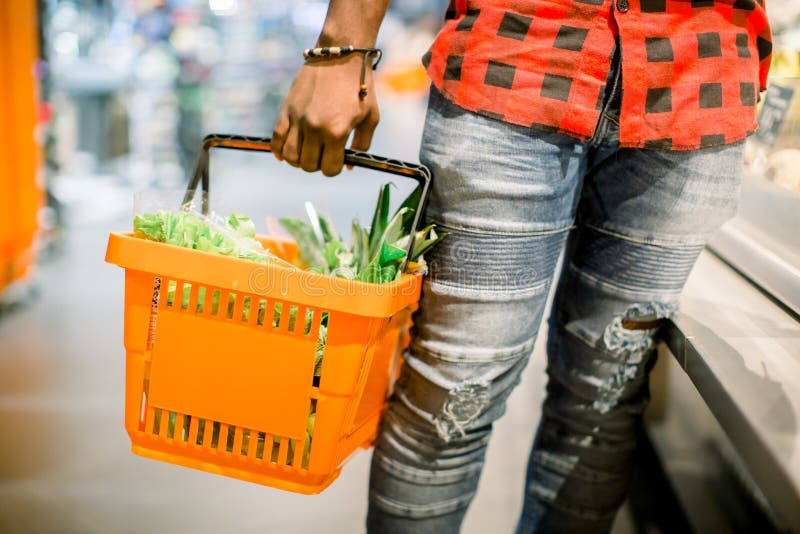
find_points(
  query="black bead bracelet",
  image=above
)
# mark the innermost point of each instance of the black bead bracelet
(326, 52)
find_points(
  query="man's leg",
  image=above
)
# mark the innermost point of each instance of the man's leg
(644, 217)
(505, 195)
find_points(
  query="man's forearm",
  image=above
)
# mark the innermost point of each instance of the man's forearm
(352, 22)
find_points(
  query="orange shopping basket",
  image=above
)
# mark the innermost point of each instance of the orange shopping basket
(220, 371)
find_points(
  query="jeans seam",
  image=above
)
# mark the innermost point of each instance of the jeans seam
(522, 350)
(449, 226)
(524, 292)
(582, 512)
(421, 510)
(644, 241)
(577, 471)
(632, 294)
(412, 474)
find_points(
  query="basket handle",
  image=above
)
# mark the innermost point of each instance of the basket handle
(420, 173)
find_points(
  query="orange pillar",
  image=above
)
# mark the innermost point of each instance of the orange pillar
(20, 190)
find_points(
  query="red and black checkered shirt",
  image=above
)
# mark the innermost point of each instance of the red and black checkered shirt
(691, 69)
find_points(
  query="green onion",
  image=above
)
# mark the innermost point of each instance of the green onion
(375, 254)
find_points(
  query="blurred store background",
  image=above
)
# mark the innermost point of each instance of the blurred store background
(101, 99)
(131, 87)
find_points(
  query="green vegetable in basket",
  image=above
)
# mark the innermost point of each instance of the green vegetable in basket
(375, 255)
(235, 236)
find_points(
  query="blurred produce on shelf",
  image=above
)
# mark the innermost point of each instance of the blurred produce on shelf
(401, 72)
(774, 152)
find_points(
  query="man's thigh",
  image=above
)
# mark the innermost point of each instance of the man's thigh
(506, 197)
(644, 217)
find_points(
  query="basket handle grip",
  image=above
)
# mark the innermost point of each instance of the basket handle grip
(420, 173)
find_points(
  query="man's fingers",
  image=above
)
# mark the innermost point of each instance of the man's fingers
(279, 132)
(292, 146)
(310, 152)
(333, 157)
(362, 137)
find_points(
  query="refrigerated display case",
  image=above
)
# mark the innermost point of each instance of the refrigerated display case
(763, 241)
(729, 435)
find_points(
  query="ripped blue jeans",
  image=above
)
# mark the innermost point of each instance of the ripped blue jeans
(631, 224)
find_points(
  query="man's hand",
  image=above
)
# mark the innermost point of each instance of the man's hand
(323, 108)
(320, 111)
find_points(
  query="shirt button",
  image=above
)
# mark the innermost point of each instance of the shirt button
(622, 6)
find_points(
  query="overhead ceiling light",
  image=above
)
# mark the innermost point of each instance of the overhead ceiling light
(223, 7)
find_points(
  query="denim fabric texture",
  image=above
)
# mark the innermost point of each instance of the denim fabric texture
(631, 223)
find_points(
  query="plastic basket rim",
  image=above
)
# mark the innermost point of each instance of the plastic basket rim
(393, 296)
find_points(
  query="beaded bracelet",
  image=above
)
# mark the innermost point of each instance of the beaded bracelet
(338, 51)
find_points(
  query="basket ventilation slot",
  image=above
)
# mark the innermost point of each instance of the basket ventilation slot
(249, 309)
(216, 437)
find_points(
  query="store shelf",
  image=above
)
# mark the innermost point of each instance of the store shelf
(742, 352)
(763, 242)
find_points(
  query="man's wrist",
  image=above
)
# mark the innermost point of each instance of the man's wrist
(352, 22)
(332, 35)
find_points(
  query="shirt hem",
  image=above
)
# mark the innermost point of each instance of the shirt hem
(641, 144)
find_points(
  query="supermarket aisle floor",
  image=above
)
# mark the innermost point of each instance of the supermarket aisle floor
(65, 464)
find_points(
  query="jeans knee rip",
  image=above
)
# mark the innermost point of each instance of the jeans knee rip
(630, 337)
(464, 404)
